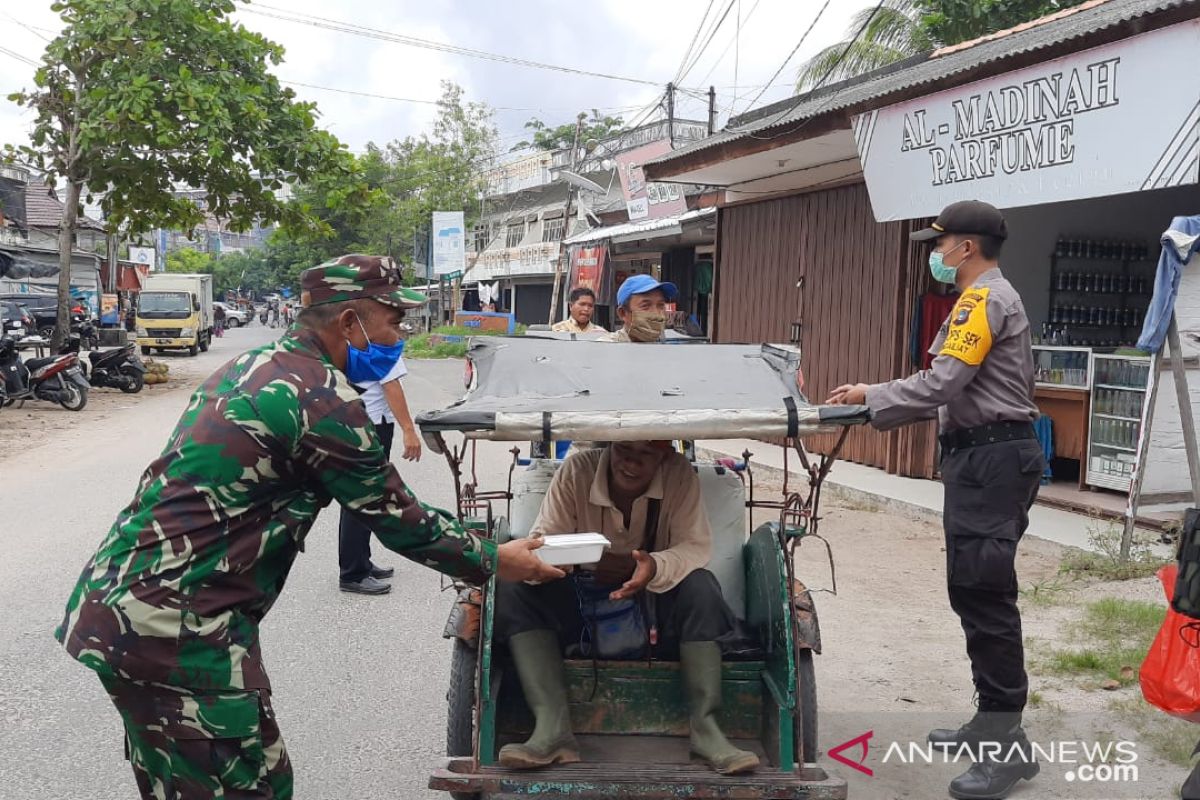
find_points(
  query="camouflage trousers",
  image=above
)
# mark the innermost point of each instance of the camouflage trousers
(186, 744)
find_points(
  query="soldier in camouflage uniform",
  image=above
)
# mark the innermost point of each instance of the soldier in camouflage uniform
(167, 610)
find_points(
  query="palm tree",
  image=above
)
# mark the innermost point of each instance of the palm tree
(894, 32)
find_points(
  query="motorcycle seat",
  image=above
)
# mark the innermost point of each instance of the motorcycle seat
(35, 363)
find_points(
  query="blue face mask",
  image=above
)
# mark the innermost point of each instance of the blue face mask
(938, 269)
(372, 364)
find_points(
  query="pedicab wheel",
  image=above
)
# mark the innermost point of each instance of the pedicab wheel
(460, 707)
(806, 678)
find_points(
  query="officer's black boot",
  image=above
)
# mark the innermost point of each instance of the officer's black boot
(984, 726)
(1191, 787)
(1007, 760)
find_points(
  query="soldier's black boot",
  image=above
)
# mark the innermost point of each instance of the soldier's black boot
(1008, 761)
(1191, 787)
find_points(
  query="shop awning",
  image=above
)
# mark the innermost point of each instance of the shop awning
(643, 229)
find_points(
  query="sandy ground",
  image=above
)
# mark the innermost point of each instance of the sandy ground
(40, 423)
(894, 660)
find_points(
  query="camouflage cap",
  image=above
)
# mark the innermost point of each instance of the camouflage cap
(357, 277)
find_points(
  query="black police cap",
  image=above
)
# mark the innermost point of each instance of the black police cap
(963, 217)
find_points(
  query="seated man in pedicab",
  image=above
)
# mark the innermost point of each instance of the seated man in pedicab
(652, 584)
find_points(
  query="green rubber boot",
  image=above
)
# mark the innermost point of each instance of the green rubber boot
(544, 681)
(700, 663)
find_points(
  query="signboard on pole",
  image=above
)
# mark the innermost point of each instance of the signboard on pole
(449, 242)
(1118, 118)
(648, 200)
(143, 255)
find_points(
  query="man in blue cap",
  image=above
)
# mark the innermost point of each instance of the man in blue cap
(642, 308)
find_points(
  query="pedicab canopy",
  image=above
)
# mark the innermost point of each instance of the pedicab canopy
(534, 389)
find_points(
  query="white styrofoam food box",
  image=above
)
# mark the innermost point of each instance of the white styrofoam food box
(570, 549)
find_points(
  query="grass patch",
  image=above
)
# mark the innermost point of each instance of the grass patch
(1104, 561)
(1035, 699)
(1171, 738)
(1045, 593)
(426, 345)
(1118, 633)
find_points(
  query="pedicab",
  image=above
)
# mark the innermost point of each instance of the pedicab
(631, 717)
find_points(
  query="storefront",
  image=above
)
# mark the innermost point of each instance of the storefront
(677, 248)
(1080, 126)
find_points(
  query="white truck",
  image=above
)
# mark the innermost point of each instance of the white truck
(175, 311)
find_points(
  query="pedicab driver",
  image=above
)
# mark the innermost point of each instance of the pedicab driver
(167, 610)
(645, 498)
(980, 387)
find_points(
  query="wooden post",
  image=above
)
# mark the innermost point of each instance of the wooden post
(1143, 452)
(1188, 423)
(1184, 398)
(562, 250)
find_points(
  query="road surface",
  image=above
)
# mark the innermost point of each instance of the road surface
(359, 682)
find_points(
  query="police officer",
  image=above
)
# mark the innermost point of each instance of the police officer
(980, 387)
(167, 611)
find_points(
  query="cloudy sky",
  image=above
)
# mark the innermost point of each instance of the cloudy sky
(628, 38)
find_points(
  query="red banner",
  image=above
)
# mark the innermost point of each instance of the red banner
(587, 269)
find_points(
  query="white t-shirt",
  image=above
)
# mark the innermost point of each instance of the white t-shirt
(377, 406)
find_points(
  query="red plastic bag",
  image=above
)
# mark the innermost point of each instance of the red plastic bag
(1170, 675)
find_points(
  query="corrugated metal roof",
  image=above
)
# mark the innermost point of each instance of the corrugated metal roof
(43, 209)
(873, 89)
(641, 226)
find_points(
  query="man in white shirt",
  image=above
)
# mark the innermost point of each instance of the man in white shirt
(386, 406)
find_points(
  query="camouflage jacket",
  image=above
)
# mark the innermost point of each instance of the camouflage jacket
(178, 587)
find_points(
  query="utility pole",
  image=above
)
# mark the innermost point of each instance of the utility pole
(562, 247)
(712, 110)
(671, 114)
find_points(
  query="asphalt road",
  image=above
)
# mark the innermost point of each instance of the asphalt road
(359, 682)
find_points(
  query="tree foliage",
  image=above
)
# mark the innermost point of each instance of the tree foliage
(137, 97)
(406, 179)
(903, 28)
(596, 127)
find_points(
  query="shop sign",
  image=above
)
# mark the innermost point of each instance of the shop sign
(648, 200)
(1123, 117)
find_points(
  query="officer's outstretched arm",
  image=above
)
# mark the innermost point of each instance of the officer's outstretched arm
(919, 396)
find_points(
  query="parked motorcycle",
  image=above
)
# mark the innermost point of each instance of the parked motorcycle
(118, 368)
(57, 379)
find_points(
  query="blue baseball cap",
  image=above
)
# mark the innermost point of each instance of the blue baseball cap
(640, 284)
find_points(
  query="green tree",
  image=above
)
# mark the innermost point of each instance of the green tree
(188, 261)
(903, 28)
(596, 127)
(135, 97)
(406, 180)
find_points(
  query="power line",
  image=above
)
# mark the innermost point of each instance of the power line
(792, 54)
(357, 93)
(29, 28)
(712, 34)
(23, 59)
(695, 38)
(801, 98)
(412, 41)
